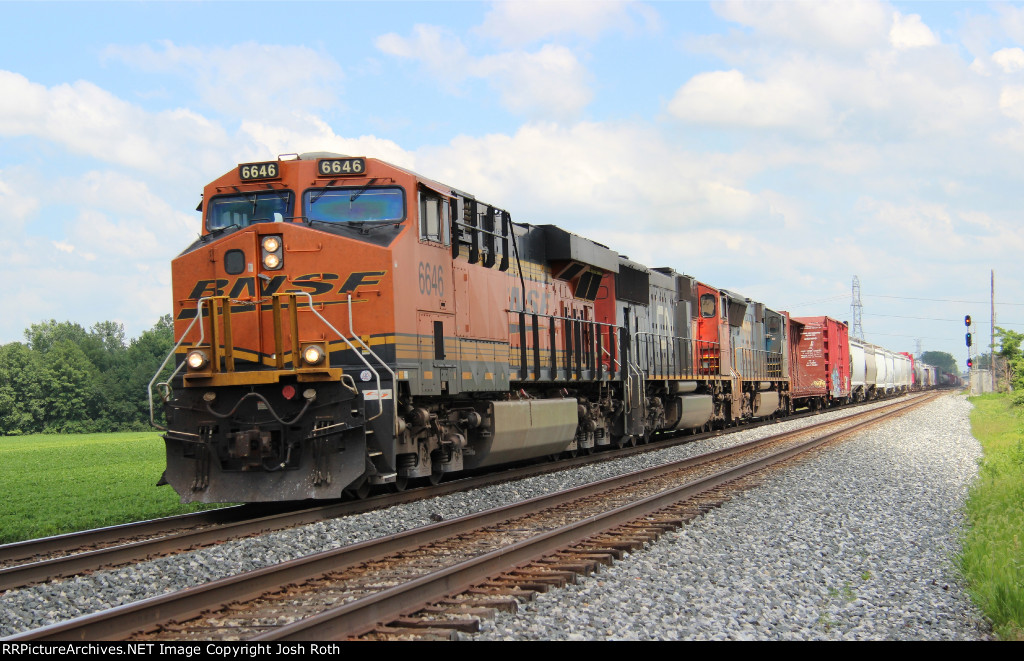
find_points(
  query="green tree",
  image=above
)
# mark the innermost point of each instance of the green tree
(21, 410)
(1010, 351)
(69, 379)
(944, 361)
(144, 356)
(70, 392)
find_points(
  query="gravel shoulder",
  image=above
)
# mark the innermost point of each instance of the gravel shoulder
(853, 544)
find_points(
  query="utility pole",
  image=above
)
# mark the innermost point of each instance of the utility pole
(992, 347)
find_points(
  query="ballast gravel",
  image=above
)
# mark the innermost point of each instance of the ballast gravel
(856, 543)
(853, 544)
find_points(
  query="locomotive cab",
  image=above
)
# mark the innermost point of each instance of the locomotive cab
(344, 322)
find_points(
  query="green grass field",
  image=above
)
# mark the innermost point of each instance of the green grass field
(993, 553)
(52, 484)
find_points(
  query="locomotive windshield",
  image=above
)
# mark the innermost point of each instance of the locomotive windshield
(354, 205)
(247, 208)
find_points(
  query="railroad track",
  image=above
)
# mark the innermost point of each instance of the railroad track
(36, 561)
(487, 558)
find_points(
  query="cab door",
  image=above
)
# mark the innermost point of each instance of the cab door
(707, 344)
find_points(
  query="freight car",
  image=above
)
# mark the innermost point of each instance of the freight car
(820, 354)
(344, 323)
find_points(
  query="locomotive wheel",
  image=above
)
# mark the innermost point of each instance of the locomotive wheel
(400, 484)
(628, 440)
(436, 477)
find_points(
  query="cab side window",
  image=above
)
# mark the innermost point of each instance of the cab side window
(430, 216)
(434, 217)
(707, 306)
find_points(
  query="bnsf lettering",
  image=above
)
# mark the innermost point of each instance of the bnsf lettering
(272, 287)
(208, 288)
(243, 286)
(315, 283)
(362, 278)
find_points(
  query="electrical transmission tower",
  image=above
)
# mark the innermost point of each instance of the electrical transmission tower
(858, 310)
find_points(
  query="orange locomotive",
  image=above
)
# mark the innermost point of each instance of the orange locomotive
(345, 323)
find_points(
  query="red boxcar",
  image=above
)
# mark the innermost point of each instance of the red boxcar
(820, 361)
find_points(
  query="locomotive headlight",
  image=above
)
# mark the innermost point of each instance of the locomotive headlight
(273, 252)
(196, 360)
(313, 354)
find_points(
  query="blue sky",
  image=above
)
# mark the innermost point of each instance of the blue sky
(774, 149)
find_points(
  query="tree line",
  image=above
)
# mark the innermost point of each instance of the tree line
(67, 379)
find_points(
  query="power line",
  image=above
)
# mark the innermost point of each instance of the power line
(837, 297)
(940, 300)
(921, 337)
(976, 323)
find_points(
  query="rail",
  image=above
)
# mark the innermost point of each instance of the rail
(180, 606)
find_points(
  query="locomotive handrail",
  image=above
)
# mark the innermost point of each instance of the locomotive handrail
(394, 380)
(614, 360)
(380, 405)
(149, 389)
(600, 325)
(671, 340)
(760, 363)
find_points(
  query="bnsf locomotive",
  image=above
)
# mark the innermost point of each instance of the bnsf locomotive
(345, 323)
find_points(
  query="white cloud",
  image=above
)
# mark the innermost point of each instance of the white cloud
(592, 177)
(15, 205)
(729, 98)
(1011, 102)
(89, 120)
(310, 133)
(1010, 60)
(125, 239)
(518, 23)
(910, 32)
(889, 90)
(440, 51)
(245, 80)
(549, 83)
(828, 26)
